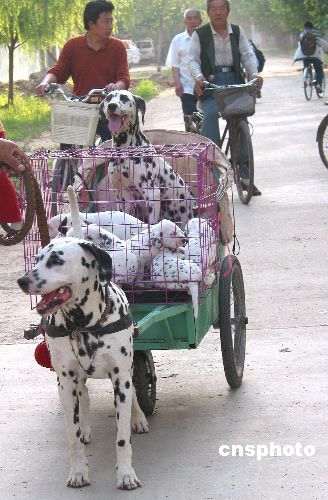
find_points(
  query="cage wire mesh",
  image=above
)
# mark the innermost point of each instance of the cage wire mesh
(126, 197)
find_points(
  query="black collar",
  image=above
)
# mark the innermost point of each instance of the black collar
(121, 324)
(97, 329)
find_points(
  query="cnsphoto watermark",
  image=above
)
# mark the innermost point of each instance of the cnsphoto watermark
(260, 451)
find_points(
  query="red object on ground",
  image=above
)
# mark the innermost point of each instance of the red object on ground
(42, 355)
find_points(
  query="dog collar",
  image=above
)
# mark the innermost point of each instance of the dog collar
(121, 324)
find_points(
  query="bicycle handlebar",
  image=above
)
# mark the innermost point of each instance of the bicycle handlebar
(54, 88)
(251, 83)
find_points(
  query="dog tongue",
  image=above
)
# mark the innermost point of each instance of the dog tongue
(51, 301)
(114, 123)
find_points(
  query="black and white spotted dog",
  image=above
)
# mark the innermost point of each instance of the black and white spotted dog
(89, 334)
(166, 193)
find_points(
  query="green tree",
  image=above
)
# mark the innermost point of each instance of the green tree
(162, 17)
(41, 24)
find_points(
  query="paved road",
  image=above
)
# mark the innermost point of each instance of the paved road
(283, 399)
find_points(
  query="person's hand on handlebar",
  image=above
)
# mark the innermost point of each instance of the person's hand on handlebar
(41, 89)
(199, 85)
(115, 86)
(259, 80)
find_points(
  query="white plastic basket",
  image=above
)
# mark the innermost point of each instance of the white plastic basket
(74, 122)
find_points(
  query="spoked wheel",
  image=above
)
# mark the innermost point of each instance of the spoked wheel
(308, 88)
(243, 162)
(322, 138)
(321, 93)
(232, 320)
(144, 380)
(63, 176)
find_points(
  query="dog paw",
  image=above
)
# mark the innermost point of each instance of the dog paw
(86, 436)
(78, 479)
(127, 479)
(139, 424)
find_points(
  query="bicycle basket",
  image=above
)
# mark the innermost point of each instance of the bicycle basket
(74, 122)
(236, 101)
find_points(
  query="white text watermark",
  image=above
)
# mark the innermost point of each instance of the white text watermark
(266, 450)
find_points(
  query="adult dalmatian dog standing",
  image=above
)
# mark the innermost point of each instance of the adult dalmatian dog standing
(167, 195)
(89, 333)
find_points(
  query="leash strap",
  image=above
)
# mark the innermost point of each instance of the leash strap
(121, 324)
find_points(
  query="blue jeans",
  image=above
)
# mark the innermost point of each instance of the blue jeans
(317, 64)
(210, 126)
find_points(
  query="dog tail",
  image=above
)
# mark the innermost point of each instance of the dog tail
(75, 213)
(193, 290)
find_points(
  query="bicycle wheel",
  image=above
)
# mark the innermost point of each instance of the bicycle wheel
(232, 320)
(144, 380)
(243, 162)
(322, 138)
(307, 79)
(321, 93)
(63, 175)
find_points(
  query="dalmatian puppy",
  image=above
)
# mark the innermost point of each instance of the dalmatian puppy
(123, 225)
(125, 262)
(169, 270)
(89, 334)
(166, 193)
(201, 247)
(132, 257)
(152, 241)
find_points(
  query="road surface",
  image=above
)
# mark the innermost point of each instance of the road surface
(283, 400)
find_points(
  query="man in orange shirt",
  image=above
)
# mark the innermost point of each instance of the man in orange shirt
(93, 60)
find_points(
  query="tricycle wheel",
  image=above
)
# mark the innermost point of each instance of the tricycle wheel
(232, 320)
(144, 380)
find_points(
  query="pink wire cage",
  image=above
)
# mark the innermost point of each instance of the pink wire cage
(179, 182)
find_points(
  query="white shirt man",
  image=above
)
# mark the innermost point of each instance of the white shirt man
(177, 58)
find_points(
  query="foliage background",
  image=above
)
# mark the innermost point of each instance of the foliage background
(41, 24)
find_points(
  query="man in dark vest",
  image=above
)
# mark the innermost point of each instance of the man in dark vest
(217, 52)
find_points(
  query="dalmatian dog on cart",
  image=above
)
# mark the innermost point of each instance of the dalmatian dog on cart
(149, 176)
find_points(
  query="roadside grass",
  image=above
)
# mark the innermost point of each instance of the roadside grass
(27, 119)
(146, 89)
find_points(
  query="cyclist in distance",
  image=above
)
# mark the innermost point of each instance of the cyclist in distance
(217, 53)
(93, 60)
(312, 52)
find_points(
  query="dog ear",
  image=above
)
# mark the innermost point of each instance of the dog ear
(101, 111)
(103, 259)
(62, 228)
(141, 106)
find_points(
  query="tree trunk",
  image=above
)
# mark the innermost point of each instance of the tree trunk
(11, 49)
(159, 46)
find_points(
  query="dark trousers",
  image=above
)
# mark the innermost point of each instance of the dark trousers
(317, 64)
(189, 103)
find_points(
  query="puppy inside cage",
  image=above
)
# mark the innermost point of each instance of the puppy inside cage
(154, 209)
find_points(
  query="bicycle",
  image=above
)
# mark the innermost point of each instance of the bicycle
(322, 140)
(65, 169)
(309, 82)
(236, 140)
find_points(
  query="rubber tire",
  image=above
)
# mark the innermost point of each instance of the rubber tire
(144, 380)
(322, 138)
(233, 343)
(62, 177)
(245, 195)
(308, 87)
(323, 86)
